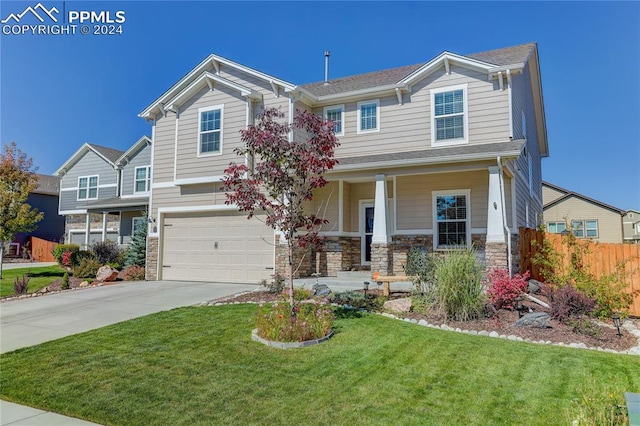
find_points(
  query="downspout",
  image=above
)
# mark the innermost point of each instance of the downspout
(504, 216)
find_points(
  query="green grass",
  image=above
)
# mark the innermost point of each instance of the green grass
(199, 365)
(40, 277)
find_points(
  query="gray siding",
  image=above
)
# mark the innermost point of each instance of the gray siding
(140, 159)
(90, 164)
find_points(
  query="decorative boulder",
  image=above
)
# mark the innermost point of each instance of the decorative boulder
(84, 284)
(534, 320)
(106, 274)
(321, 290)
(398, 305)
(535, 286)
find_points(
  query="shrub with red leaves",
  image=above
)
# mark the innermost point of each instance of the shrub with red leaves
(567, 302)
(504, 289)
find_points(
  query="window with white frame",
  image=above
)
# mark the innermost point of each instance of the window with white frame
(556, 227)
(585, 228)
(369, 116)
(210, 130)
(142, 179)
(137, 224)
(452, 218)
(449, 115)
(335, 114)
(88, 187)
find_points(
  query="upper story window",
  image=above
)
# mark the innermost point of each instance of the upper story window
(452, 219)
(335, 114)
(556, 227)
(210, 130)
(142, 179)
(88, 187)
(369, 116)
(449, 115)
(585, 228)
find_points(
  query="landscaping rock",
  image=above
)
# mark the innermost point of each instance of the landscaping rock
(534, 320)
(398, 305)
(84, 284)
(535, 286)
(321, 290)
(106, 274)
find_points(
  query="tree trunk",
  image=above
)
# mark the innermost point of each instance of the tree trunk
(290, 253)
(1, 257)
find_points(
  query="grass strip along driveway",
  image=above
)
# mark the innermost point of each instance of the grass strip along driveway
(198, 365)
(40, 277)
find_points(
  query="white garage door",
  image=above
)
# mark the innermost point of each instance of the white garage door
(223, 247)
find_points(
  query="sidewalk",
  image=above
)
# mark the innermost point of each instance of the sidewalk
(14, 414)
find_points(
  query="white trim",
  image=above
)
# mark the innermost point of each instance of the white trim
(434, 206)
(88, 187)
(193, 209)
(510, 100)
(75, 188)
(139, 144)
(158, 185)
(175, 147)
(220, 130)
(68, 212)
(359, 106)
(394, 205)
(196, 181)
(465, 115)
(342, 113)
(438, 62)
(62, 170)
(341, 206)
(141, 195)
(362, 205)
(147, 180)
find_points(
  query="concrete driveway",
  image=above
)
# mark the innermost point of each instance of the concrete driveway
(30, 321)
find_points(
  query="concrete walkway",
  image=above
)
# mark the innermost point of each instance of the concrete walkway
(31, 321)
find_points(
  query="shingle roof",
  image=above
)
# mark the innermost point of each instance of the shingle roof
(569, 194)
(109, 153)
(47, 185)
(506, 56)
(119, 202)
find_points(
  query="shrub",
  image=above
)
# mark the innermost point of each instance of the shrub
(106, 252)
(276, 285)
(349, 298)
(59, 250)
(65, 281)
(504, 289)
(136, 254)
(21, 284)
(133, 273)
(568, 302)
(585, 326)
(420, 269)
(87, 268)
(459, 292)
(311, 321)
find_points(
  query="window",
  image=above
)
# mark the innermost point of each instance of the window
(137, 224)
(142, 179)
(585, 228)
(88, 187)
(451, 218)
(368, 116)
(449, 117)
(335, 114)
(210, 135)
(556, 227)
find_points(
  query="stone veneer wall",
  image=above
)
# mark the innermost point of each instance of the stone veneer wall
(151, 272)
(79, 222)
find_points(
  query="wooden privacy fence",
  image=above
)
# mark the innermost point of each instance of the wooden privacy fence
(41, 250)
(600, 259)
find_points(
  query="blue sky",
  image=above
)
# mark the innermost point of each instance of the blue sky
(59, 91)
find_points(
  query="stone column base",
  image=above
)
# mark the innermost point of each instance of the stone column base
(151, 268)
(381, 259)
(496, 256)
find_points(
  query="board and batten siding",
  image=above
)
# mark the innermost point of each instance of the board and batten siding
(142, 158)
(90, 164)
(407, 127)
(573, 208)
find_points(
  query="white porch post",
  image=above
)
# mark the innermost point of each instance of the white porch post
(87, 228)
(495, 223)
(380, 227)
(104, 226)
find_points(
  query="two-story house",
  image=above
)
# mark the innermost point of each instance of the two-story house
(442, 153)
(631, 226)
(586, 217)
(104, 192)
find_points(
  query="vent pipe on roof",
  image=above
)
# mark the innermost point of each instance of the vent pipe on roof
(326, 67)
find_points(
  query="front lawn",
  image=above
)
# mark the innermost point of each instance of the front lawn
(199, 365)
(40, 277)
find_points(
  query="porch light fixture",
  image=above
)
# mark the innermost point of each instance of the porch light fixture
(519, 306)
(366, 288)
(617, 323)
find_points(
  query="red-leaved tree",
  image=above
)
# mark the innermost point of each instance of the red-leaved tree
(284, 176)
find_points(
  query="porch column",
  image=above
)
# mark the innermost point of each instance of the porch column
(495, 222)
(87, 228)
(104, 226)
(380, 242)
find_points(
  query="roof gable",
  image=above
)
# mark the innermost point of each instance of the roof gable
(572, 194)
(133, 151)
(109, 155)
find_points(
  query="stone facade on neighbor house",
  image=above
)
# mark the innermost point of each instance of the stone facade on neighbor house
(588, 218)
(437, 154)
(104, 193)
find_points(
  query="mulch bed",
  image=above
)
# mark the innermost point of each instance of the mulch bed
(502, 323)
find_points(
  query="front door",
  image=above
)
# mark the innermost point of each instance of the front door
(366, 231)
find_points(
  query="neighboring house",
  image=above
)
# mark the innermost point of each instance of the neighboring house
(104, 192)
(631, 226)
(589, 218)
(45, 199)
(442, 153)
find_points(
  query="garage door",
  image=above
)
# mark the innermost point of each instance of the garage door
(223, 247)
